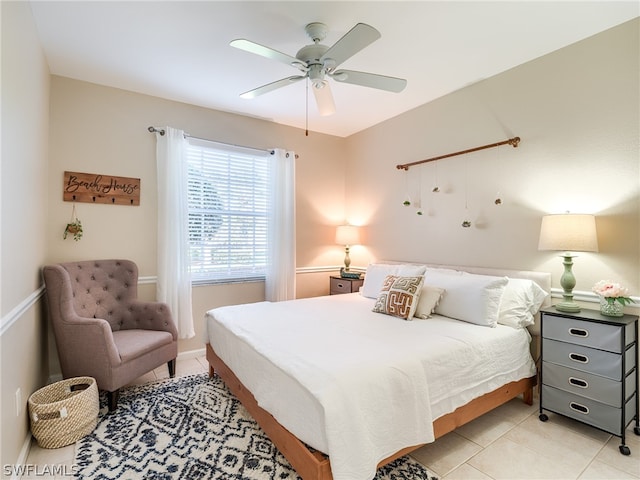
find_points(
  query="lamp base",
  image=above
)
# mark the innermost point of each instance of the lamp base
(568, 307)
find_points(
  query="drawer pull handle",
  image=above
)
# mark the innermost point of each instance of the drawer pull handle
(579, 332)
(576, 357)
(578, 382)
(579, 408)
(340, 285)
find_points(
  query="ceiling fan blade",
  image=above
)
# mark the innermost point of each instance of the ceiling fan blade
(263, 51)
(351, 43)
(324, 100)
(373, 80)
(271, 86)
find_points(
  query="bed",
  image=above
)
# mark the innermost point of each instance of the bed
(330, 374)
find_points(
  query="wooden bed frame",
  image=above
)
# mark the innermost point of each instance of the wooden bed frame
(315, 465)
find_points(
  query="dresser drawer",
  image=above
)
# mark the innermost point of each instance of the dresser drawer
(587, 385)
(344, 285)
(585, 359)
(589, 334)
(588, 411)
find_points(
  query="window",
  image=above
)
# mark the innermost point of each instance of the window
(228, 204)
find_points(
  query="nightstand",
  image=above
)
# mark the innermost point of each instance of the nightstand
(589, 369)
(340, 285)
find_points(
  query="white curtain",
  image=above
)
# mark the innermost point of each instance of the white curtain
(174, 275)
(281, 269)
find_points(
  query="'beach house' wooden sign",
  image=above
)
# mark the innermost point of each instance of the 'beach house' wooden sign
(97, 188)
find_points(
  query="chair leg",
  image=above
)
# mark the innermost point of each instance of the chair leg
(112, 398)
(172, 367)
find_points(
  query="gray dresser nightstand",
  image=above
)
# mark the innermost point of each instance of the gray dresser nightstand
(590, 369)
(339, 285)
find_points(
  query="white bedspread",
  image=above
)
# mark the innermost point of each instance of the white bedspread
(359, 385)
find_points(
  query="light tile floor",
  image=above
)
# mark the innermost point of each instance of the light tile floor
(508, 443)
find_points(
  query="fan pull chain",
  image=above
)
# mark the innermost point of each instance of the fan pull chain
(306, 116)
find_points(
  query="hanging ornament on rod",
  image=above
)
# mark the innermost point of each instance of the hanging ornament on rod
(466, 223)
(436, 188)
(419, 202)
(498, 200)
(407, 198)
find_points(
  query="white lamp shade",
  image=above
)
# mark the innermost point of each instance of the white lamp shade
(569, 233)
(347, 235)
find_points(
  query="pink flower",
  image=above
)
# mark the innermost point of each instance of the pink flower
(612, 291)
(606, 288)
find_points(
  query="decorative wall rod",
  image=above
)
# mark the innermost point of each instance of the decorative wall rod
(512, 141)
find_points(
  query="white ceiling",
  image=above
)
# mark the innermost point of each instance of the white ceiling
(180, 50)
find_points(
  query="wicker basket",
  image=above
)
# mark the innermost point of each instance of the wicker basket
(64, 412)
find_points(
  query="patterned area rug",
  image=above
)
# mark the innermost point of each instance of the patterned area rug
(191, 428)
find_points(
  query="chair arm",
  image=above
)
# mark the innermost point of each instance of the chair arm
(153, 316)
(88, 338)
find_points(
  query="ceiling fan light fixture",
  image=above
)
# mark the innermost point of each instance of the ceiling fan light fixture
(340, 76)
(318, 83)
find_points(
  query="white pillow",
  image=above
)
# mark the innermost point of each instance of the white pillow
(450, 271)
(520, 302)
(469, 297)
(408, 270)
(429, 298)
(377, 272)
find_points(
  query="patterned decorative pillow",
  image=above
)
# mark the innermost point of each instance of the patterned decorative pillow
(399, 296)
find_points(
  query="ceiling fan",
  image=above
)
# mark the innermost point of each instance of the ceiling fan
(318, 62)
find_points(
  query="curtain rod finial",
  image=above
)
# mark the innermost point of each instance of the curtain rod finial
(153, 129)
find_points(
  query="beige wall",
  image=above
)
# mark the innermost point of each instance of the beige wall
(103, 130)
(25, 126)
(576, 111)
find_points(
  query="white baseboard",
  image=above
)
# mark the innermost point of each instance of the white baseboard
(22, 457)
(201, 352)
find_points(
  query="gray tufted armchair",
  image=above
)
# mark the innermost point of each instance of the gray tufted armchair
(100, 327)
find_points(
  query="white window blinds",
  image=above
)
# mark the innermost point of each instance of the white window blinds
(228, 208)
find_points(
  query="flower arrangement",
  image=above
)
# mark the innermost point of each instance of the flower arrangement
(612, 292)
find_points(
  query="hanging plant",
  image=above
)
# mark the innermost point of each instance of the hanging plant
(74, 227)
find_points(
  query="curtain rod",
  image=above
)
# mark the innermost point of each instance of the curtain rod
(512, 141)
(161, 131)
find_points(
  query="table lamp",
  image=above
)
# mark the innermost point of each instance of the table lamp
(347, 235)
(568, 233)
